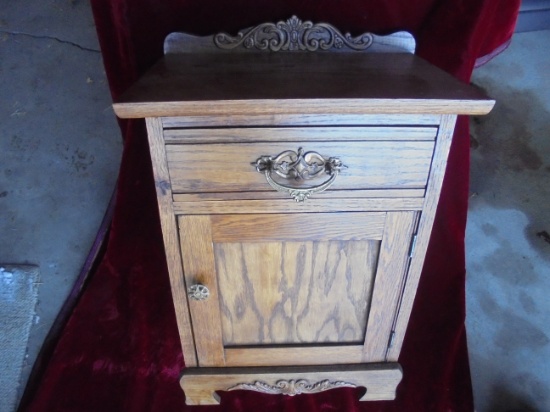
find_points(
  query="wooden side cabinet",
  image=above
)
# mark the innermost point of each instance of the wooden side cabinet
(297, 193)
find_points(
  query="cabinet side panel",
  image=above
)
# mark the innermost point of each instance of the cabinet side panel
(433, 191)
(171, 240)
(295, 292)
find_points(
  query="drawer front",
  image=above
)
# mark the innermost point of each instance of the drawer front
(229, 167)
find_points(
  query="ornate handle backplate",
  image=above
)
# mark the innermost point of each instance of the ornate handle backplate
(198, 292)
(298, 166)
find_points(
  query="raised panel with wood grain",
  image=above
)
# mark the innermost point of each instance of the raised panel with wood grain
(295, 292)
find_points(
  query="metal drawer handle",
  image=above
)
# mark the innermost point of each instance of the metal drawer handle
(299, 166)
(198, 292)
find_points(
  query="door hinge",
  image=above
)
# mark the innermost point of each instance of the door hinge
(413, 245)
(392, 338)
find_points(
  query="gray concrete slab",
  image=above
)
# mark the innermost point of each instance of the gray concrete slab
(18, 296)
(59, 146)
(508, 241)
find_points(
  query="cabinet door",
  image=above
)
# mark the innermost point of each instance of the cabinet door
(295, 289)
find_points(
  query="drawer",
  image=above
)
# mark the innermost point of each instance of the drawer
(229, 167)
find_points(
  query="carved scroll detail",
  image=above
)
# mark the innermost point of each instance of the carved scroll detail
(293, 35)
(292, 387)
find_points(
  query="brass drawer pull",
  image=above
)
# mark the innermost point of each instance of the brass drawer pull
(299, 166)
(198, 292)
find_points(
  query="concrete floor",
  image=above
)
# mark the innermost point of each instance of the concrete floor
(60, 150)
(60, 146)
(508, 235)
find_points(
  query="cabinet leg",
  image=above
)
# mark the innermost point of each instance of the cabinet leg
(200, 384)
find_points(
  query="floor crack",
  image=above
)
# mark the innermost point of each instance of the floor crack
(57, 39)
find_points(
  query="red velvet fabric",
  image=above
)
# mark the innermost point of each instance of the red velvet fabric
(120, 349)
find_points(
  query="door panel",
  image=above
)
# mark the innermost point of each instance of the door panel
(282, 355)
(200, 269)
(393, 264)
(296, 227)
(314, 290)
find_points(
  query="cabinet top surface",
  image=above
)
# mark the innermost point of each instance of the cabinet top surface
(296, 83)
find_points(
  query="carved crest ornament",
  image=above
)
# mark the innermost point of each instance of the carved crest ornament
(293, 35)
(292, 387)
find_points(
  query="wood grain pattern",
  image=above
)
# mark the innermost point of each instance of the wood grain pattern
(425, 225)
(345, 119)
(227, 167)
(295, 355)
(171, 239)
(267, 107)
(295, 292)
(292, 134)
(267, 84)
(297, 227)
(390, 275)
(200, 384)
(312, 205)
(272, 194)
(200, 268)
